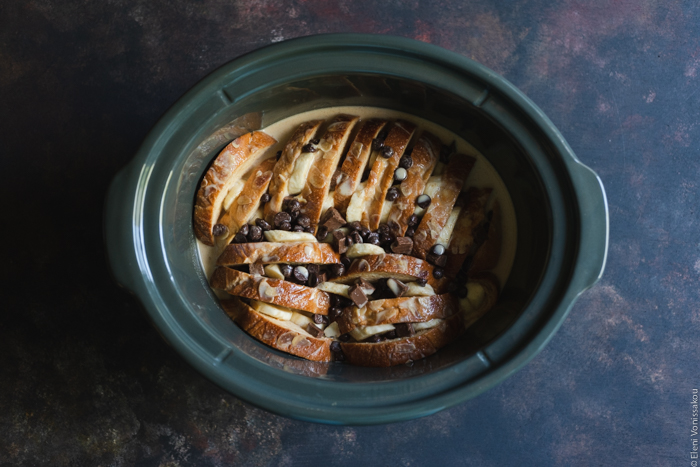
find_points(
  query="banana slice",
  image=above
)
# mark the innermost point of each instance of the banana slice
(328, 201)
(446, 232)
(357, 202)
(233, 193)
(274, 271)
(301, 172)
(386, 209)
(285, 236)
(333, 287)
(363, 332)
(275, 311)
(364, 249)
(415, 290)
(332, 330)
(427, 325)
(475, 297)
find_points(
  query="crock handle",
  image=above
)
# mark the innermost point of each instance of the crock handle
(595, 226)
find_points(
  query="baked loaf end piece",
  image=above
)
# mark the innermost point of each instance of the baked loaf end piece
(231, 163)
(399, 351)
(469, 230)
(483, 292)
(281, 335)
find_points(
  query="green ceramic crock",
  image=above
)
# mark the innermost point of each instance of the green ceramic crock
(560, 206)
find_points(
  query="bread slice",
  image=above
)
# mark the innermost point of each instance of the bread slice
(399, 351)
(247, 202)
(401, 267)
(425, 156)
(355, 162)
(281, 335)
(272, 253)
(482, 295)
(487, 255)
(325, 163)
(285, 167)
(471, 217)
(231, 164)
(265, 289)
(437, 214)
(398, 310)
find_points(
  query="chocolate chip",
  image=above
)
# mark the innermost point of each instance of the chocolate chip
(255, 233)
(346, 261)
(437, 260)
(335, 347)
(386, 238)
(287, 270)
(403, 329)
(243, 229)
(382, 228)
(297, 228)
(356, 237)
(377, 143)
(386, 151)
(438, 249)
(313, 268)
(394, 228)
(219, 230)
(282, 217)
(400, 174)
(257, 268)
(357, 295)
(313, 279)
(462, 292)
(410, 232)
(315, 141)
(397, 287)
(240, 238)
(337, 270)
(413, 220)
(372, 239)
(332, 219)
(364, 231)
(402, 246)
(322, 233)
(309, 229)
(293, 205)
(343, 338)
(308, 148)
(406, 162)
(278, 154)
(263, 224)
(355, 225)
(301, 273)
(318, 319)
(392, 194)
(374, 339)
(265, 198)
(286, 226)
(422, 281)
(438, 273)
(423, 201)
(338, 356)
(313, 330)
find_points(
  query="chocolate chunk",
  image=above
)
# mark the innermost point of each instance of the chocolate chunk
(287, 270)
(332, 219)
(366, 287)
(257, 268)
(293, 206)
(397, 287)
(309, 229)
(263, 224)
(406, 162)
(377, 143)
(403, 329)
(322, 233)
(386, 151)
(336, 179)
(356, 237)
(394, 228)
(338, 234)
(438, 249)
(438, 273)
(297, 228)
(313, 279)
(372, 238)
(357, 295)
(318, 319)
(437, 260)
(308, 148)
(281, 218)
(322, 277)
(243, 229)
(343, 337)
(402, 246)
(462, 292)
(286, 226)
(422, 281)
(413, 220)
(382, 228)
(255, 234)
(392, 194)
(346, 261)
(337, 270)
(400, 174)
(219, 230)
(410, 232)
(423, 201)
(301, 274)
(374, 339)
(265, 198)
(343, 244)
(391, 334)
(313, 330)
(240, 238)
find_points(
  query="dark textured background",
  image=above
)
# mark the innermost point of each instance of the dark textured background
(85, 380)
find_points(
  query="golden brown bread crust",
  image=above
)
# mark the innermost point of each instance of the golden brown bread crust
(425, 156)
(491, 292)
(402, 267)
(438, 212)
(276, 291)
(398, 310)
(381, 177)
(248, 201)
(281, 335)
(232, 162)
(325, 163)
(285, 167)
(469, 221)
(272, 253)
(399, 351)
(355, 162)
(486, 257)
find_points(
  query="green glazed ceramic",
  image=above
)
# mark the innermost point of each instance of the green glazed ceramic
(560, 207)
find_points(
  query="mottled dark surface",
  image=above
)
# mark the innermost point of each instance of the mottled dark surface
(85, 380)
